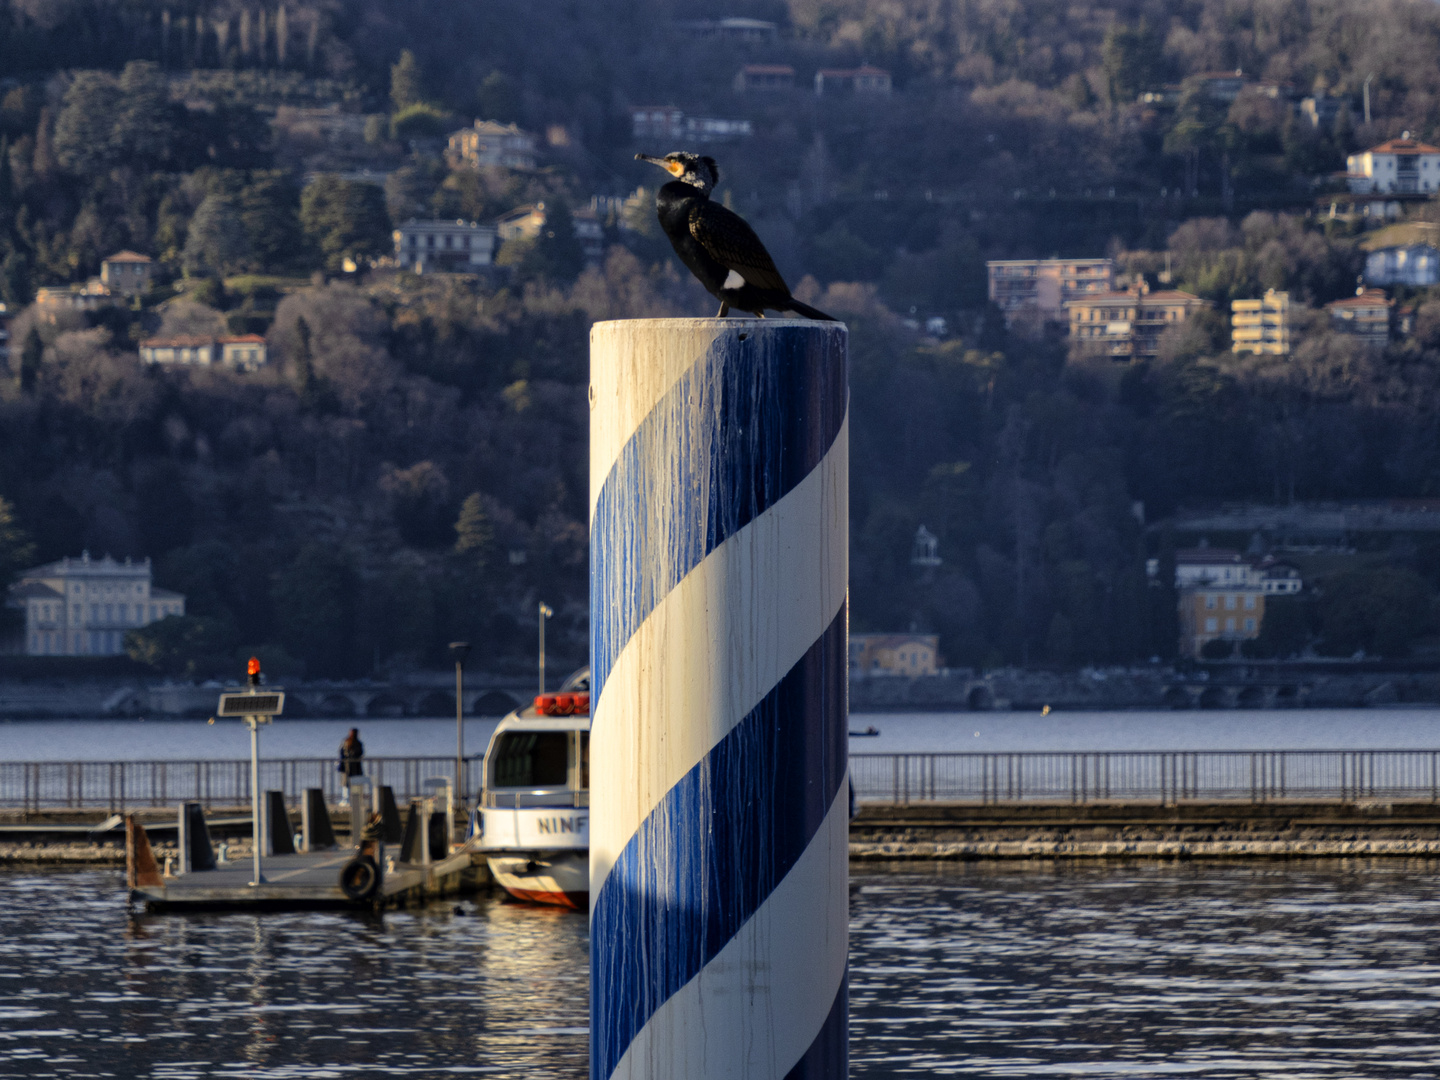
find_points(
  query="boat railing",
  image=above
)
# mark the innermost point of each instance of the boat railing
(510, 799)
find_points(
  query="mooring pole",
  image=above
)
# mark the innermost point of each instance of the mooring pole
(719, 464)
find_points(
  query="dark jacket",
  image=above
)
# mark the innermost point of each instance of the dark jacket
(351, 751)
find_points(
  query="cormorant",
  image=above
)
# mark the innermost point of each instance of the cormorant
(715, 242)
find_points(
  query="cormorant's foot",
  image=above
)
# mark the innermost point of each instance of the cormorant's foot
(724, 310)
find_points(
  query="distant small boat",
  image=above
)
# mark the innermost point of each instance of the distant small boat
(869, 732)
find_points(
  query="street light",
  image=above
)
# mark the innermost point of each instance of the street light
(461, 649)
(545, 612)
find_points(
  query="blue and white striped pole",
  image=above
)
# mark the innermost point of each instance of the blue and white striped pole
(719, 492)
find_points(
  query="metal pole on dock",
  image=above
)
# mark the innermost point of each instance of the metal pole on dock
(461, 649)
(719, 466)
(254, 722)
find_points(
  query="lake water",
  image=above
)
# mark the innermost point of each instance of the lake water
(1292, 729)
(1266, 970)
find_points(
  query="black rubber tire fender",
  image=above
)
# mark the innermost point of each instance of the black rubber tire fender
(360, 878)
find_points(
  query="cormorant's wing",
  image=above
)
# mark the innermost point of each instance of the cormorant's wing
(726, 236)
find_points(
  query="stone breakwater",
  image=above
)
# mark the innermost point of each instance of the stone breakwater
(1272, 830)
(1143, 849)
(959, 831)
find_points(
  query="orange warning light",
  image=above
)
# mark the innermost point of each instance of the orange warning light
(253, 670)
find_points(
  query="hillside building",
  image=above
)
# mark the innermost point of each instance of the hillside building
(894, 654)
(861, 81)
(1223, 594)
(244, 352)
(488, 144)
(1261, 326)
(1040, 288)
(1126, 326)
(1411, 264)
(1402, 166)
(1366, 315)
(426, 246)
(764, 77)
(526, 222)
(127, 273)
(85, 607)
(671, 127)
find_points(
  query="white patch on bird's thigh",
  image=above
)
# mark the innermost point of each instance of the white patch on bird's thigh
(733, 280)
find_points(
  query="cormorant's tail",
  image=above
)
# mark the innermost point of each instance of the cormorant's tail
(809, 312)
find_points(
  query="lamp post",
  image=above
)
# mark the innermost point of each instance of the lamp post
(545, 612)
(460, 649)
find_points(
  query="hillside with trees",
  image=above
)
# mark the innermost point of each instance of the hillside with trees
(410, 467)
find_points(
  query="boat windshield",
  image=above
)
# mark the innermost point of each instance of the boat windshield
(532, 759)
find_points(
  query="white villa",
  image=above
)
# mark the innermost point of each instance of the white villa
(1397, 166)
(85, 606)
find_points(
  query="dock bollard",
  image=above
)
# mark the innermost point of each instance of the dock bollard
(719, 466)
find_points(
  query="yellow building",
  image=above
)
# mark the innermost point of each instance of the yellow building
(1208, 612)
(1127, 325)
(1261, 326)
(893, 654)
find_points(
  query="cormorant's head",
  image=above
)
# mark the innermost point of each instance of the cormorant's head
(700, 172)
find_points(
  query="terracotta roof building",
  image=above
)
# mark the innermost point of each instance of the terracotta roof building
(1366, 315)
(1402, 166)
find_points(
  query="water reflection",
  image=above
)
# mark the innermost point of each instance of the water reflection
(1260, 970)
(84, 992)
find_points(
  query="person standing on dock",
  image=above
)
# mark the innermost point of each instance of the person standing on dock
(351, 752)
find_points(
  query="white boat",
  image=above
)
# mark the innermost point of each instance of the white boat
(535, 798)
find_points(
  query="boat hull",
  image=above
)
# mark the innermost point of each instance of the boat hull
(545, 877)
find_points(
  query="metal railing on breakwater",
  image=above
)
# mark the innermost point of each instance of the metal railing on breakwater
(1077, 777)
(118, 785)
(1165, 776)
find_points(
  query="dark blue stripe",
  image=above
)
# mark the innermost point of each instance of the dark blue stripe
(717, 845)
(736, 433)
(829, 1055)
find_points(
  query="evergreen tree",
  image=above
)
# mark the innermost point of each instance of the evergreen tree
(345, 219)
(16, 550)
(405, 82)
(473, 532)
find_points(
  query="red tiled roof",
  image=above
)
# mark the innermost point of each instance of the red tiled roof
(128, 257)
(1404, 146)
(184, 342)
(242, 339)
(1368, 299)
(768, 69)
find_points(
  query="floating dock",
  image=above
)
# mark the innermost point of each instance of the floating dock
(423, 862)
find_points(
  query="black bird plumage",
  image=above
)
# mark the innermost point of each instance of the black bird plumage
(720, 249)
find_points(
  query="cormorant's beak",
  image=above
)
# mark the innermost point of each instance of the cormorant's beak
(674, 168)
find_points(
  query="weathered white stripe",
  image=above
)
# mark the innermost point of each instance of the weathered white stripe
(787, 960)
(633, 362)
(714, 647)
